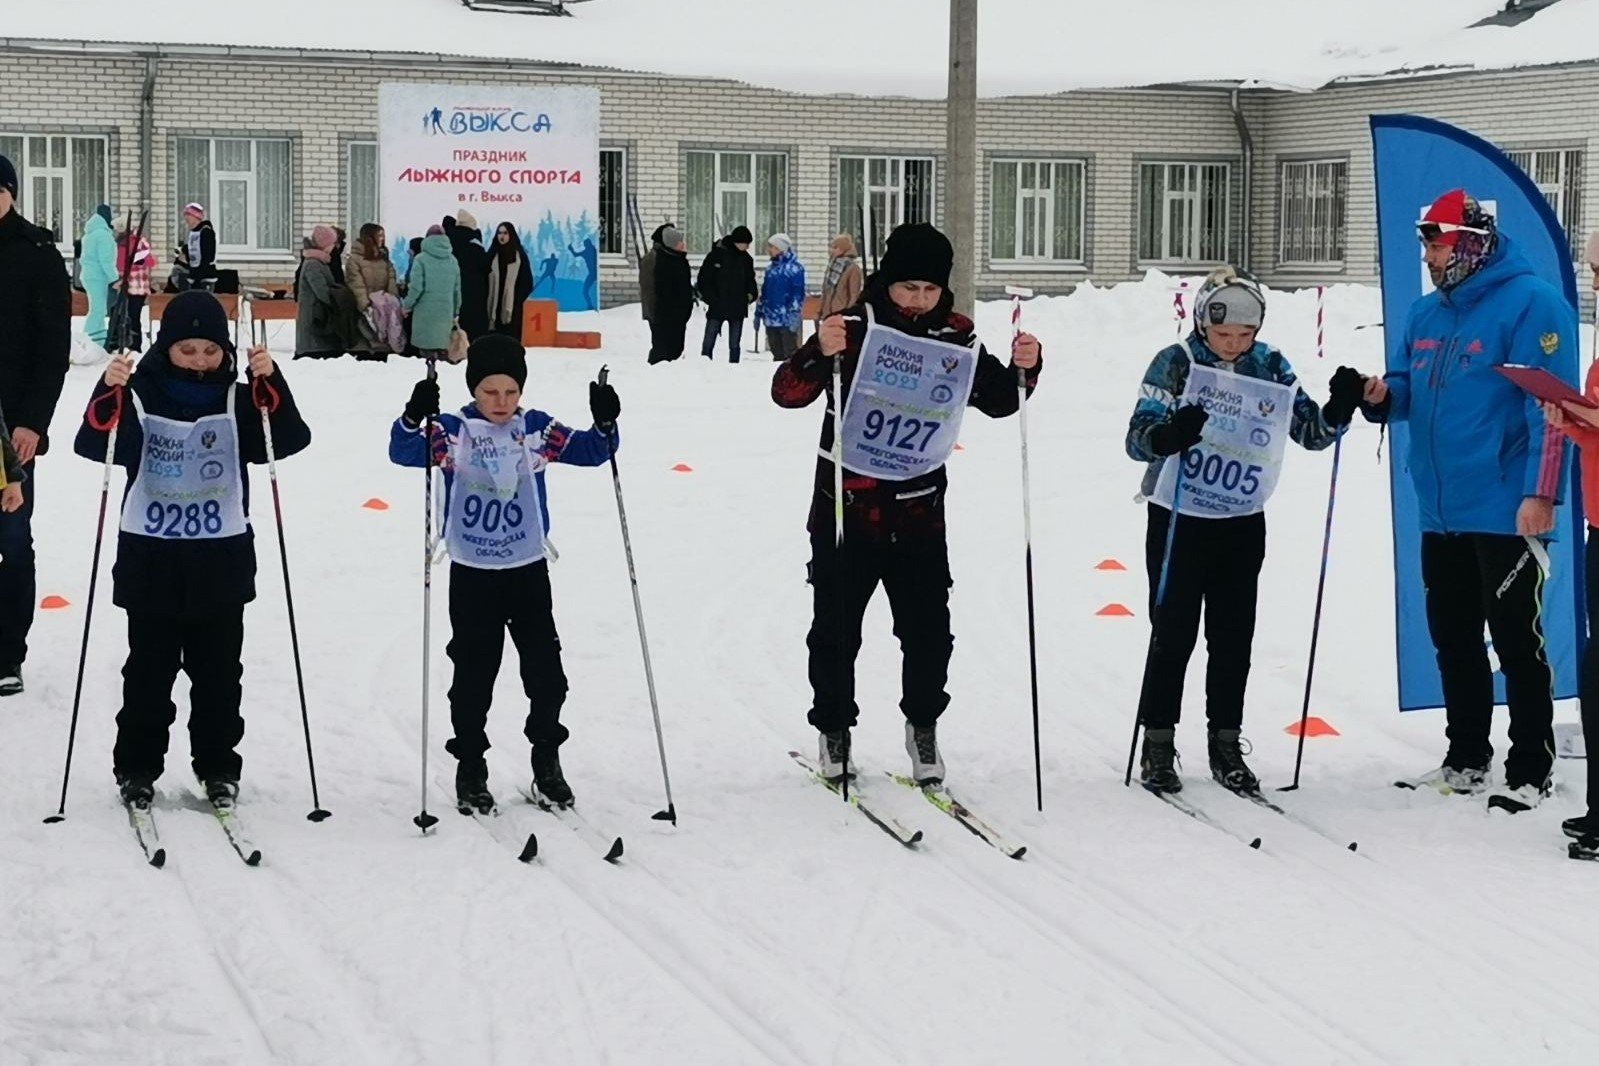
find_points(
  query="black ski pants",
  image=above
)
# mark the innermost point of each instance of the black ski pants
(208, 649)
(914, 572)
(483, 605)
(1474, 579)
(1215, 564)
(1590, 671)
(17, 584)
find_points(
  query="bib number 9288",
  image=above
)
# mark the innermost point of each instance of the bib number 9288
(906, 434)
(1213, 470)
(177, 520)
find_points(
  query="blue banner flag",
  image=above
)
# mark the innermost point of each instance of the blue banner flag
(1416, 161)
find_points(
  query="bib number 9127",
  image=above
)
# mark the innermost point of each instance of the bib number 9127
(1213, 470)
(176, 520)
(906, 434)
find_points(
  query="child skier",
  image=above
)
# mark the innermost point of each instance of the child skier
(496, 517)
(185, 551)
(894, 481)
(1227, 469)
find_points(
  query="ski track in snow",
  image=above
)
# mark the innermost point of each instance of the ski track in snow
(773, 924)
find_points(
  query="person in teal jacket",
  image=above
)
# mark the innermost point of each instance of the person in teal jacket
(433, 298)
(99, 271)
(1488, 475)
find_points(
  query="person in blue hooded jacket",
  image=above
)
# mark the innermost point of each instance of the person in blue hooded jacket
(1488, 475)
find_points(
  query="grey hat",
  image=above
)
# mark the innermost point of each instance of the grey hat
(671, 237)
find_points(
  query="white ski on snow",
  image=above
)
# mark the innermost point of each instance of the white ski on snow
(607, 844)
(939, 796)
(142, 821)
(228, 819)
(906, 836)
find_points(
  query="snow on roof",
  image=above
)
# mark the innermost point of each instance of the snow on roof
(873, 47)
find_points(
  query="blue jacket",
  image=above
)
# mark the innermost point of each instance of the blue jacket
(557, 443)
(434, 295)
(1167, 376)
(99, 259)
(782, 303)
(1478, 445)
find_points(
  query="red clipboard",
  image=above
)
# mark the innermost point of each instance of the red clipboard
(1540, 384)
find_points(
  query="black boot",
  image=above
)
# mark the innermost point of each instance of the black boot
(548, 781)
(1227, 764)
(472, 787)
(1158, 768)
(1583, 827)
(138, 790)
(221, 792)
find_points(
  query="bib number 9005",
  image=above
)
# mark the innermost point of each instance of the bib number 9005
(491, 515)
(176, 520)
(906, 434)
(1213, 470)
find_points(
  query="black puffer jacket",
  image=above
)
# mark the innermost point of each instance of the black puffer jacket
(174, 578)
(35, 325)
(727, 278)
(467, 244)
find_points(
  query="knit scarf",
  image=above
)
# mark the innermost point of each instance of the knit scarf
(835, 271)
(502, 284)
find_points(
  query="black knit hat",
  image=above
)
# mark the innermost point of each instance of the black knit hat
(8, 176)
(917, 252)
(195, 315)
(495, 353)
(741, 235)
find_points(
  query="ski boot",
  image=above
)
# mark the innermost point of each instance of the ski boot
(10, 679)
(138, 790)
(1584, 827)
(927, 765)
(548, 781)
(1519, 798)
(221, 792)
(1452, 781)
(834, 756)
(1157, 771)
(472, 795)
(1227, 764)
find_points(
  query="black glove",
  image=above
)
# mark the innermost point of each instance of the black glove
(424, 402)
(1346, 391)
(1179, 432)
(604, 405)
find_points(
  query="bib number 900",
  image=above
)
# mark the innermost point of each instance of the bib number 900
(491, 515)
(176, 520)
(906, 434)
(1213, 470)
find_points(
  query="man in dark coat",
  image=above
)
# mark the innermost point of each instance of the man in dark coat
(466, 241)
(35, 339)
(727, 285)
(646, 274)
(673, 295)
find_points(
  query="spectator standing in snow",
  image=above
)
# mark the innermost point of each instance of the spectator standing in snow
(674, 295)
(841, 286)
(36, 327)
(782, 303)
(317, 333)
(510, 282)
(726, 285)
(1216, 552)
(466, 242)
(1488, 475)
(433, 298)
(136, 277)
(99, 271)
(369, 272)
(646, 274)
(894, 522)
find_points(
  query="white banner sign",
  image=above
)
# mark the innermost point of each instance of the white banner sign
(526, 156)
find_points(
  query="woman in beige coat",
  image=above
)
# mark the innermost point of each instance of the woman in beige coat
(842, 285)
(369, 272)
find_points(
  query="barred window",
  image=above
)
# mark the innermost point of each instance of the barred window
(245, 185)
(1558, 174)
(1314, 193)
(897, 189)
(1036, 211)
(724, 190)
(61, 179)
(1184, 212)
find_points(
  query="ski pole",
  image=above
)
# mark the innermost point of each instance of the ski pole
(425, 821)
(1017, 294)
(670, 813)
(110, 426)
(1315, 625)
(266, 398)
(1160, 603)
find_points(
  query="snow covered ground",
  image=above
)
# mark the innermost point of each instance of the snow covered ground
(1024, 47)
(773, 925)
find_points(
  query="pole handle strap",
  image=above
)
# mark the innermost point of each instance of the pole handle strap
(264, 395)
(105, 423)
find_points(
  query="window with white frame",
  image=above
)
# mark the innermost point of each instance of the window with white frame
(1036, 211)
(363, 203)
(723, 190)
(1558, 174)
(1311, 212)
(1184, 212)
(61, 178)
(245, 185)
(613, 201)
(897, 189)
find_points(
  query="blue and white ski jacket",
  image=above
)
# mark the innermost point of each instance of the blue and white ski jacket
(782, 303)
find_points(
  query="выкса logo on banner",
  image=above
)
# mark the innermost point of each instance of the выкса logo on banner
(464, 120)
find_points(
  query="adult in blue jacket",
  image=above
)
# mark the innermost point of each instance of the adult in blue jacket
(99, 271)
(782, 302)
(1488, 475)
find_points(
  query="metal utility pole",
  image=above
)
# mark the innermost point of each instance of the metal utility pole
(960, 151)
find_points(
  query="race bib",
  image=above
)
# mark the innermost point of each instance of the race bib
(903, 415)
(189, 485)
(494, 520)
(1233, 470)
